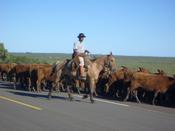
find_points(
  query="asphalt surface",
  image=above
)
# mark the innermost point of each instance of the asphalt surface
(29, 111)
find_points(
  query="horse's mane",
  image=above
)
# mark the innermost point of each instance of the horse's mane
(93, 59)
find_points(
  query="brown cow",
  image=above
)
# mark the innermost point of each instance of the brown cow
(22, 74)
(5, 69)
(150, 82)
(116, 84)
(40, 74)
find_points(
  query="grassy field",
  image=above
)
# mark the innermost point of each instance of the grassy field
(152, 63)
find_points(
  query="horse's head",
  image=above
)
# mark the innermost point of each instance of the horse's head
(110, 62)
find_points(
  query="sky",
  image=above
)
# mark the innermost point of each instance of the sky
(125, 27)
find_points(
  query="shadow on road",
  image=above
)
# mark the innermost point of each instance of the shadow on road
(6, 85)
(30, 94)
(21, 92)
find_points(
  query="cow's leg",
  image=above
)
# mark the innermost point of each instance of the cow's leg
(135, 94)
(17, 81)
(14, 85)
(128, 93)
(3, 76)
(62, 87)
(14, 82)
(38, 88)
(50, 93)
(154, 98)
(29, 84)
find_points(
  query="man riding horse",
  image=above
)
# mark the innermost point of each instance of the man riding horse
(80, 52)
(70, 69)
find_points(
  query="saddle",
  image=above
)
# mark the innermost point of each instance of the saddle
(81, 72)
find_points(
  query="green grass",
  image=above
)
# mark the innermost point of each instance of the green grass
(151, 63)
(48, 58)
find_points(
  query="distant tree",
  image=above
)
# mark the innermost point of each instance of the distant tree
(3, 52)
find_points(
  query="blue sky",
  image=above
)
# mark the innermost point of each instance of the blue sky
(125, 27)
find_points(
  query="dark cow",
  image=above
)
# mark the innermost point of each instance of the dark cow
(150, 82)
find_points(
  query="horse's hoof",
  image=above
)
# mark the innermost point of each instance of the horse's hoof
(49, 97)
(85, 96)
(92, 101)
(71, 98)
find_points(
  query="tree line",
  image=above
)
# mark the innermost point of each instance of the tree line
(6, 57)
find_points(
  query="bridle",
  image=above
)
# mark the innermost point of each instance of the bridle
(108, 65)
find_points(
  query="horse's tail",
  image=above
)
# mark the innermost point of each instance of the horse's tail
(56, 66)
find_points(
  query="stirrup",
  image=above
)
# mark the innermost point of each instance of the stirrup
(82, 78)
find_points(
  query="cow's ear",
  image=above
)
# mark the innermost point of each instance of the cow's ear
(158, 70)
(124, 68)
(140, 68)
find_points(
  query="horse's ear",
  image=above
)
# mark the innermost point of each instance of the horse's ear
(111, 53)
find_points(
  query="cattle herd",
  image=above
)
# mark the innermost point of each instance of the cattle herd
(122, 84)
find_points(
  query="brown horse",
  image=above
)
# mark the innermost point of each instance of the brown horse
(69, 73)
(58, 71)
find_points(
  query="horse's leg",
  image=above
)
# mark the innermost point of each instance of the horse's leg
(77, 86)
(92, 84)
(78, 90)
(69, 93)
(56, 86)
(96, 94)
(91, 95)
(86, 90)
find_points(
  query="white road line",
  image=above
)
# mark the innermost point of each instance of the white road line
(109, 102)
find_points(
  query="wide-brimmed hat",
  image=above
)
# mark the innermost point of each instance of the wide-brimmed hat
(81, 35)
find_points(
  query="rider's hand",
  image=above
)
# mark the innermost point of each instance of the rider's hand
(86, 51)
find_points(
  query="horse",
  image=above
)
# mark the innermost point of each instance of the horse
(69, 72)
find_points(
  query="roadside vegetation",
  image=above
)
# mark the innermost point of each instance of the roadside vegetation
(151, 63)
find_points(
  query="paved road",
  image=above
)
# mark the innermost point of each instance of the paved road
(26, 111)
